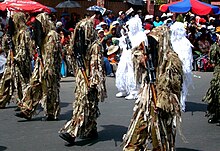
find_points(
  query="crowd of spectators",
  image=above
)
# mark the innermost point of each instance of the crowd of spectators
(202, 31)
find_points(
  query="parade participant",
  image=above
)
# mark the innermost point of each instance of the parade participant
(157, 109)
(18, 67)
(213, 94)
(182, 46)
(44, 83)
(127, 74)
(90, 83)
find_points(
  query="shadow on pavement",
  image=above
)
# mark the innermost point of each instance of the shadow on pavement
(195, 107)
(63, 81)
(9, 107)
(66, 116)
(64, 104)
(2, 148)
(186, 149)
(110, 132)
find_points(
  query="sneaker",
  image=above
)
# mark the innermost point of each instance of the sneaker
(111, 75)
(121, 94)
(130, 97)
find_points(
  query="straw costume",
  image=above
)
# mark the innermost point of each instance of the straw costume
(157, 111)
(212, 96)
(90, 83)
(18, 67)
(44, 83)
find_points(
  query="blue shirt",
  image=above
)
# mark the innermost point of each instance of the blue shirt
(156, 24)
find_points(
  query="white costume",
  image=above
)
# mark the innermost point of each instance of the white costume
(125, 77)
(2, 63)
(182, 46)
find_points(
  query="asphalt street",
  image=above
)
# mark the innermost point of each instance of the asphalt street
(36, 135)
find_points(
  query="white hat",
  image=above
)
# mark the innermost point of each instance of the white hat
(100, 30)
(98, 27)
(139, 11)
(203, 26)
(112, 49)
(102, 23)
(59, 24)
(114, 23)
(169, 14)
(192, 15)
(148, 17)
(211, 18)
(120, 13)
(163, 15)
(147, 32)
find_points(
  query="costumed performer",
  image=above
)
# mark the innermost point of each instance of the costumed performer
(90, 83)
(157, 111)
(212, 96)
(18, 47)
(132, 43)
(182, 46)
(44, 84)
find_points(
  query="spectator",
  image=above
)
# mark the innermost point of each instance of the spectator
(74, 19)
(163, 17)
(97, 19)
(148, 22)
(157, 22)
(109, 19)
(118, 28)
(65, 17)
(121, 18)
(203, 44)
(108, 68)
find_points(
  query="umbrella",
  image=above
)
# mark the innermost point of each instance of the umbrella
(24, 6)
(97, 9)
(183, 6)
(68, 4)
(53, 10)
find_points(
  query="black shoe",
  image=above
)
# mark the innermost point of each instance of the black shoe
(22, 115)
(67, 137)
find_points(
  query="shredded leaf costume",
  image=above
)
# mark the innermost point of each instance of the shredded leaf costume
(18, 67)
(87, 95)
(153, 126)
(44, 83)
(212, 96)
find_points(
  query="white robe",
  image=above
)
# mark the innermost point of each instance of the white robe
(182, 46)
(125, 78)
